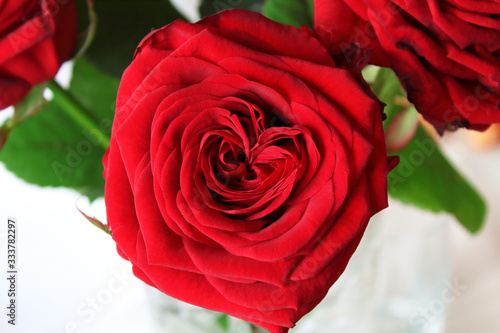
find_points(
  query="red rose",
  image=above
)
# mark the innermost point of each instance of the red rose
(36, 37)
(243, 166)
(445, 52)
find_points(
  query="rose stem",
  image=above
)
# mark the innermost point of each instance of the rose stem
(76, 111)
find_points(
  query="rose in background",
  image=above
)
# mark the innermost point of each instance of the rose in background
(36, 37)
(446, 53)
(243, 166)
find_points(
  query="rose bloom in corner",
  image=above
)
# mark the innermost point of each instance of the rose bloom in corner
(243, 166)
(36, 37)
(445, 52)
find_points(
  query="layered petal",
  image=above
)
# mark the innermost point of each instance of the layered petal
(248, 163)
(36, 37)
(436, 47)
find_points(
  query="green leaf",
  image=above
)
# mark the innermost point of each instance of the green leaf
(223, 322)
(388, 89)
(52, 149)
(121, 25)
(210, 7)
(387, 85)
(426, 179)
(292, 12)
(28, 106)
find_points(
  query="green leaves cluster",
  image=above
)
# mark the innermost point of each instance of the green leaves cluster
(426, 179)
(51, 148)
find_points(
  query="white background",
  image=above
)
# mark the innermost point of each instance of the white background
(71, 279)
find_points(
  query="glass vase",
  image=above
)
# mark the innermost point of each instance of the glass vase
(398, 281)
